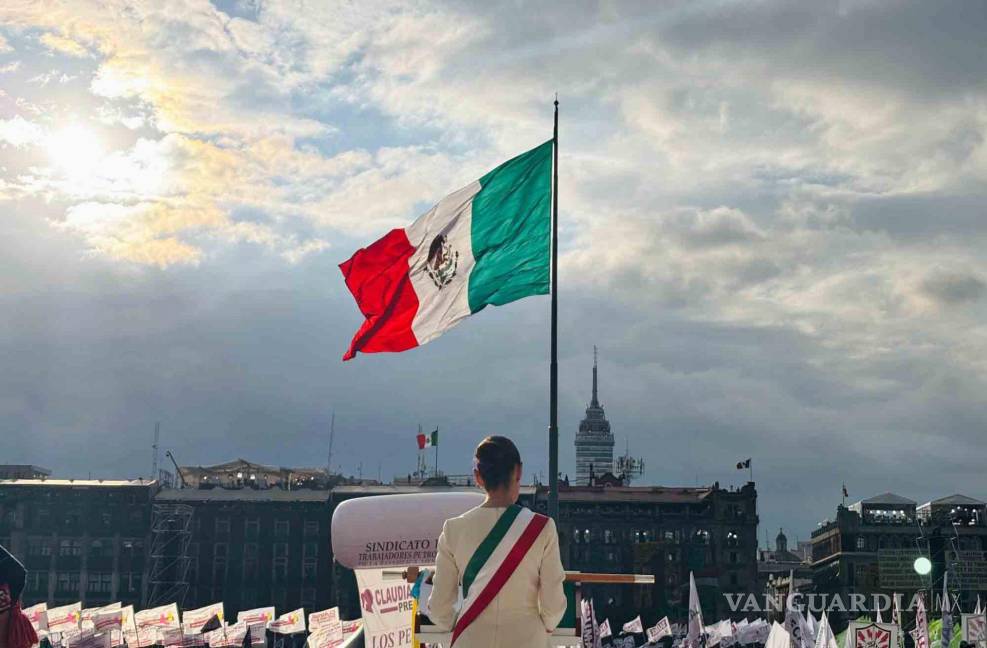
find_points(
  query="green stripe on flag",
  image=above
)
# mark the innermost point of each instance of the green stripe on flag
(482, 553)
(511, 230)
(435, 437)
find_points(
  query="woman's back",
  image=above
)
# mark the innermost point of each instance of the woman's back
(529, 603)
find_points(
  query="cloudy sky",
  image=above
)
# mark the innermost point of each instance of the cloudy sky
(772, 223)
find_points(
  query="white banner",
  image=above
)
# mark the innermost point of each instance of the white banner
(258, 615)
(326, 620)
(165, 616)
(605, 628)
(64, 618)
(661, 629)
(193, 620)
(38, 616)
(289, 622)
(634, 626)
(107, 620)
(974, 626)
(386, 609)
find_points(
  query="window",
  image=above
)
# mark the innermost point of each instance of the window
(68, 582)
(279, 570)
(220, 550)
(281, 528)
(70, 548)
(861, 543)
(702, 536)
(576, 535)
(251, 529)
(311, 528)
(733, 557)
(101, 548)
(130, 582)
(222, 526)
(280, 549)
(607, 536)
(100, 582)
(733, 579)
(250, 561)
(308, 597)
(107, 519)
(310, 571)
(37, 582)
(669, 536)
(39, 547)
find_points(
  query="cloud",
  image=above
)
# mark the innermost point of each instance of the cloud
(19, 132)
(953, 287)
(63, 45)
(4, 45)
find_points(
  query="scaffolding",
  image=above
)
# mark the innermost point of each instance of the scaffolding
(171, 535)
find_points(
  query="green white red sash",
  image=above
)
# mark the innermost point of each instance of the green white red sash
(493, 562)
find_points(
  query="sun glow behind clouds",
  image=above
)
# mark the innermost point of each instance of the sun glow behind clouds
(75, 151)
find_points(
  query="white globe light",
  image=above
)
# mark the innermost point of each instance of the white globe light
(922, 565)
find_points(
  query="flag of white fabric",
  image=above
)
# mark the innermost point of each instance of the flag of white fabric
(107, 620)
(591, 629)
(289, 623)
(824, 635)
(661, 629)
(947, 618)
(193, 620)
(165, 616)
(921, 632)
(128, 627)
(325, 620)
(257, 616)
(712, 633)
(64, 618)
(38, 616)
(813, 625)
(605, 628)
(978, 610)
(778, 637)
(634, 626)
(692, 638)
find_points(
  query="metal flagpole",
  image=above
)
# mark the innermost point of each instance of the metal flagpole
(553, 390)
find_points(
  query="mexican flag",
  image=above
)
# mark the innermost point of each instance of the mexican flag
(429, 441)
(486, 244)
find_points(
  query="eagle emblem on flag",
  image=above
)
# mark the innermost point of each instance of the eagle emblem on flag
(442, 261)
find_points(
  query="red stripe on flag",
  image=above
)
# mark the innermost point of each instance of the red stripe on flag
(378, 278)
(500, 577)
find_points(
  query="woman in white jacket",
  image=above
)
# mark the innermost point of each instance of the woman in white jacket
(504, 557)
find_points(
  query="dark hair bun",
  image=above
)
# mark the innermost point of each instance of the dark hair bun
(496, 457)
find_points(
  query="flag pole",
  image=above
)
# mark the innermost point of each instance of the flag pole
(553, 394)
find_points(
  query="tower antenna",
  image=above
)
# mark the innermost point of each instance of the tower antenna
(154, 451)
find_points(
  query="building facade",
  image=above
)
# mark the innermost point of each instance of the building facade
(249, 547)
(665, 532)
(870, 548)
(594, 440)
(81, 540)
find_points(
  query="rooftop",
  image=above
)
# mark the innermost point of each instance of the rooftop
(77, 482)
(954, 500)
(671, 495)
(888, 499)
(241, 495)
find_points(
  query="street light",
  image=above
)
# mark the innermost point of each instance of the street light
(922, 566)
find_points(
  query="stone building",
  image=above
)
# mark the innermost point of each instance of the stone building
(663, 531)
(870, 548)
(81, 540)
(594, 441)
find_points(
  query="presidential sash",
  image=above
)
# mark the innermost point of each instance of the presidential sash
(493, 562)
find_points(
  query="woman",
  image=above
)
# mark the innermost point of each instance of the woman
(505, 557)
(16, 630)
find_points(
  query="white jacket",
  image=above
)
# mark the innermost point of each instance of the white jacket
(526, 609)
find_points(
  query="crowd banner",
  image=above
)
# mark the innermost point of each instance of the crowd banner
(289, 623)
(872, 635)
(778, 637)
(38, 616)
(165, 616)
(193, 620)
(128, 627)
(107, 620)
(326, 621)
(394, 530)
(605, 629)
(64, 618)
(257, 620)
(386, 608)
(634, 626)
(974, 627)
(661, 629)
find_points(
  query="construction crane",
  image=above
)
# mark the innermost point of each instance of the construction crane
(178, 470)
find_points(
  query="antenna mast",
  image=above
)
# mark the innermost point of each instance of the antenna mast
(154, 450)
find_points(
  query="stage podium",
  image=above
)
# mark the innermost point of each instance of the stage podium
(399, 533)
(569, 632)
